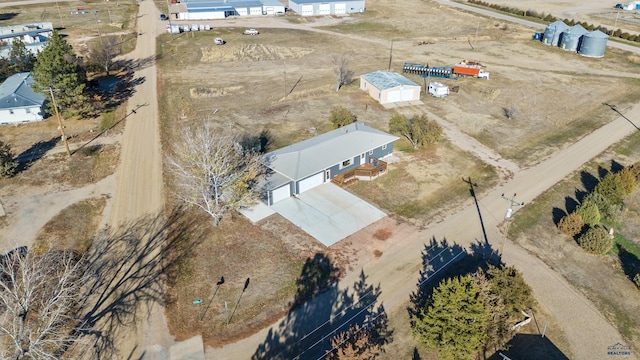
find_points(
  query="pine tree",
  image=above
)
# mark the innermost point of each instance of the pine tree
(454, 320)
(20, 58)
(57, 67)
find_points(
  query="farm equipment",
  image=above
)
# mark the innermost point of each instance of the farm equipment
(445, 72)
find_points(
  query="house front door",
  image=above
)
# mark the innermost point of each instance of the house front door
(327, 175)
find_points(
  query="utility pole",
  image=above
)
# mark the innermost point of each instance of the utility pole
(55, 107)
(507, 216)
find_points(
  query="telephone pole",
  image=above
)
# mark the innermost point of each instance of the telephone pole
(55, 107)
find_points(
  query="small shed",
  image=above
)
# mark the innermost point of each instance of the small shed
(438, 89)
(389, 87)
(326, 7)
(18, 102)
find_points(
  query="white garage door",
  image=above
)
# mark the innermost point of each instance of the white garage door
(255, 11)
(270, 10)
(324, 9)
(242, 11)
(394, 96)
(280, 193)
(310, 183)
(307, 9)
(340, 8)
(407, 95)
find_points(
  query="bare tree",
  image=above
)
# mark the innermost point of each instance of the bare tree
(39, 294)
(103, 53)
(344, 76)
(214, 172)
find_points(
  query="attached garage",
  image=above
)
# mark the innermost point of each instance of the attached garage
(389, 87)
(280, 193)
(310, 182)
(340, 8)
(255, 11)
(307, 10)
(324, 9)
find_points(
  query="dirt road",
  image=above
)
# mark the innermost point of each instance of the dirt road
(139, 185)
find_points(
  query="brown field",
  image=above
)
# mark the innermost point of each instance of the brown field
(283, 81)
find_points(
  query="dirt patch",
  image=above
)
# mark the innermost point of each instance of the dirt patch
(252, 52)
(212, 92)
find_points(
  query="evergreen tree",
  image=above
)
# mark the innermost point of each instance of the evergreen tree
(57, 67)
(8, 164)
(20, 58)
(454, 320)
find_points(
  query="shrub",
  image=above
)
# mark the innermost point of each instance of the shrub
(627, 180)
(596, 241)
(611, 188)
(571, 225)
(8, 164)
(340, 116)
(607, 210)
(589, 212)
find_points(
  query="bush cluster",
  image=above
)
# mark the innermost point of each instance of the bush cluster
(550, 18)
(596, 241)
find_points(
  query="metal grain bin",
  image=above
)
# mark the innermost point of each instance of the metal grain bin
(593, 44)
(552, 32)
(570, 39)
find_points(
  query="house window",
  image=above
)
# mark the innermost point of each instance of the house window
(361, 157)
(346, 163)
(10, 111)
(384, 147)
(370, 152)
(27, 110)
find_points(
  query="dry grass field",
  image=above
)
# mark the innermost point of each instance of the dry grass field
(283, 81)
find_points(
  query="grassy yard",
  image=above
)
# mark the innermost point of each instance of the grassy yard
(604, 279)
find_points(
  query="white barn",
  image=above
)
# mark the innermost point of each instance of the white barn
(18, 102)
(326, 7)
(389, 87)
(221, 9)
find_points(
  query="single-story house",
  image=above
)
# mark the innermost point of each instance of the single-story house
(18, 102)
(389, 87)
(220, 9)
(34, 36)
(302, 166)
(326, 7)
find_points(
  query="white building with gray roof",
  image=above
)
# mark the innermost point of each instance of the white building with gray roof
(18, 102)
(389, 87)
(302, 166)
(326, 7)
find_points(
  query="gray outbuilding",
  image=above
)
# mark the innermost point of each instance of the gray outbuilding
(570, 39)
(389, 87)
(593, 44)
(552, 32)
(326, 7)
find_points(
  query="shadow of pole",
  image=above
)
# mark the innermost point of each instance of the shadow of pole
(220, 282)
(613, 107)
(472, 186)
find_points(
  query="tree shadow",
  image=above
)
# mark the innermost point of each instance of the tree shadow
(308, 328)
(261, 142)
(7, 16)
(437, 260)
(35, 152)
(616, 167)
(557, 214)
(123, 87)
(629, 262)
(589, 183)
(124, 273)
(530, 346)
(602, 172)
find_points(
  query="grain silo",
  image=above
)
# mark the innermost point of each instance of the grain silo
(553, 31)
(570, 38)
(593, 44)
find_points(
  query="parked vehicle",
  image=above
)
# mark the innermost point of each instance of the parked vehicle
(445, 72)
(163, 17)
(470, 70)
(439, 90)
(219, 41)
(251, 32)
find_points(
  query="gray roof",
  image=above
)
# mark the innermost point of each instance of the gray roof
(308, 157)
(327, 1)
(16, 92)
(597, 34)
(558, 24)
(384, 80)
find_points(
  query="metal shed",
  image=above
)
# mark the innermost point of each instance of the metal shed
(593, 44)
(552, 32)
(389, 87)
(570, 39)
(326, 7)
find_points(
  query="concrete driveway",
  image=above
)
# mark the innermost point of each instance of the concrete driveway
(328, 213)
